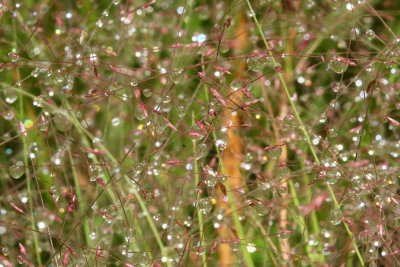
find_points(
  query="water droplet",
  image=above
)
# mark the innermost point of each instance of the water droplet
(115, 122)
(356, 182)
(139, 114)
(370, 34)
(282, 172)
(221, 144)
(211, 176)
(332, 177)
(239, 83)
(257, 63)
(235, 244)
(140, 258)
(338, 64)
(8, 115)
(10, 95)
(61, 122)
(282, 190)
(54, 192)
(285, 234)
(274, 153)
(335, 216)
(17, 170)
(261, 209)
(181, 111)
(20, 259)
(201, 151)
(147, 92)
(35, 73)
(99, 23)
(5, 251)
(94, 172)
(264, 185)
(130, 235)
(13, 57)
(93, 235)
(176, 76)
(44, 126)
(205, 205)
(176, 231)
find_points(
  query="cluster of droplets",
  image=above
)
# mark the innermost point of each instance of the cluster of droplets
(145, 132)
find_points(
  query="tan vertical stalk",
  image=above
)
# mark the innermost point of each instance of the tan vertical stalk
(283, 108)
(233, 153)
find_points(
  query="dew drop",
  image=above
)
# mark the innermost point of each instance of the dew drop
(35, 73)
(176, 76)
(115, 122)
(285, 234)
(274, 153)
(93, 235)
(240, 83)
(176, 230)
(13, 57)
(205, 205)
(282, 190)
(261, 209)
(139, 114)
(223, 178)
(282, 172)
(17, 170)
(211, 179)
(337, 63)
(8, 115)
(335, 216)
(181, 111)
(221, 144)
(257, 63)
(61, 122)
(94, 172)
(140, 258)
(356, 182)
(10, 95)
(147, 92)
(332, 177)
(235, 244)
(5, 251)
(20, 259)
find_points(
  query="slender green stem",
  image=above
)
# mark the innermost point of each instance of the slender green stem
(138, 197)
(33, 221)
(199, 214)
(71, 117)
(86, 228)
(28, 182)
(239, 228)
(26, 164)
(302, 127)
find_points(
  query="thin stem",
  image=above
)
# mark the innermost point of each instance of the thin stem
(239, 228)
(26, 164)
(199, 214)
(85, 132)
(142, 204)
(33, 221)
(86, 228)
(302, 127)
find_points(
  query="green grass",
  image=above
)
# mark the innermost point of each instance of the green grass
(112, 99)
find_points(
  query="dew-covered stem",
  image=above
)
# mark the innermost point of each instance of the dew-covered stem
(302, 127)
(239, 228)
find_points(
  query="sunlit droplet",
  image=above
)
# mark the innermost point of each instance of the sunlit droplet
(17, 170)
(335, 216)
